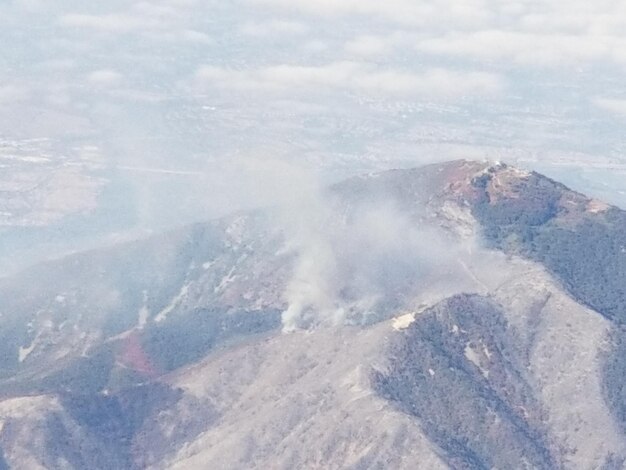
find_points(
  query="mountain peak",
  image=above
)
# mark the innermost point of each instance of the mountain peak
(444, 302)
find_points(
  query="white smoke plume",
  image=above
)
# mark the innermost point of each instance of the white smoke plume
(355, 262)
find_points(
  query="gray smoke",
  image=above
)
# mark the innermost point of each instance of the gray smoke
(357, 262)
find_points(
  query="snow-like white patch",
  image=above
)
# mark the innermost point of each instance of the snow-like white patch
(518, 172)
(122, 335)
(28, 406)
(474, 358)
(144, 312)
(162, 315)
(60, 298)
(24, 352)
(230, 277)
(88, 340)
(235, 231)
(402, 322)
(455, 329)
(595, 206)
(471, 355)
(207, 265)
(431, 372)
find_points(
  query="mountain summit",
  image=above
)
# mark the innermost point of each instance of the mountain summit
(460, 315)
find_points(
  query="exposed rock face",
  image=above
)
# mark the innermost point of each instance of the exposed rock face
(503, 350)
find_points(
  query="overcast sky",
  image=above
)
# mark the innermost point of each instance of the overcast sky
(202, 106)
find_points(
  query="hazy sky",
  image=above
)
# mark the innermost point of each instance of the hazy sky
(195, 108)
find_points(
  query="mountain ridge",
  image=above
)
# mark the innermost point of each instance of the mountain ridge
(463, 318)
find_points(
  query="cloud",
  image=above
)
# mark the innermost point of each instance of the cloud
(189, 36)
(345, 7)
(111, 23)
(104, 78)
(315, 46)
(524, 48)
(367, 45)
(463, 14)
(57, 64)
(141, 16)
(616, 106)
(274, 27)
(193, 36)
(32, 6)
(556, 16)
(352, 76)
(12, 93)
(553, 33)
(375, 45)
(159, 22)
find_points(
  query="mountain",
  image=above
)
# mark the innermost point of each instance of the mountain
(462, 315)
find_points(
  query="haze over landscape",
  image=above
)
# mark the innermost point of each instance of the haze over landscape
(312, 234)
(164, 112)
